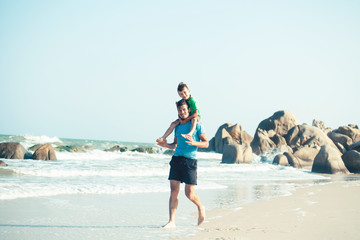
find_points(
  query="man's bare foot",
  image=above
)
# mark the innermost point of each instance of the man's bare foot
(169, 225)
(202, 214)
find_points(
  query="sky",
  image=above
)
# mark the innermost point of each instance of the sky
(109, 70)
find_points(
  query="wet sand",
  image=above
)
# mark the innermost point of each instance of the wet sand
(326, 211)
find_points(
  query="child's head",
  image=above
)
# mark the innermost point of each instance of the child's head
(183, 91)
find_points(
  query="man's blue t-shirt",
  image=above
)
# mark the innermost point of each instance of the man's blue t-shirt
(184, 149)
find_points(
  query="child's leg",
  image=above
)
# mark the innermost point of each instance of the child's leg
(193, 126)
(169, 130)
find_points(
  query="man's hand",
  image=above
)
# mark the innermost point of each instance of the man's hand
(189, 138)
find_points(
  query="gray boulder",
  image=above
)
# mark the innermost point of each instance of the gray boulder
(237, 153)
(307, 136)
(355, 146)
(229, 134)
(321, 125)
(353, 133)
(12, 150)
(117, 148)
(340, 140)
(352, 161)
(281, 160)
(293, 160)
(3, 164)
(270, 131)
(44, 152)
(329, 161)
(306, 156)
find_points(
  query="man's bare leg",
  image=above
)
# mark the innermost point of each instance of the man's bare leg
(173, 203)
(190, 194)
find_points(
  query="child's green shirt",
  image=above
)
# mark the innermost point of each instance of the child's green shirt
(193, 105)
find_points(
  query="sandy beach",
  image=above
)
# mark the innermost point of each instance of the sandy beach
(326, 211)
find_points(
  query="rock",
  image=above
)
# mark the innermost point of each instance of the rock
(12, 150)
(355, 146)
(211, 147)
(352, 161)
(262, 142)
(353, 126)
(344, 140)
(319, 124)
(353, 133)
(272, 129)
(169, 152)
(237, 153)
(144, 150)
(281, 160)
(33, 148)
(3, 164)
(221, 138)
(306, 156)
(229, 134)
(293, 160)
(329, 161)
(117, 148)
(44, 152)
(304, 135)
(341, 148)
(70, 149)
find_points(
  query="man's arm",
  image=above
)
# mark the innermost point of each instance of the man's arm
(169, 145)
(204, 143)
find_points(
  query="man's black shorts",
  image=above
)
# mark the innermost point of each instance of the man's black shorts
(183, 169)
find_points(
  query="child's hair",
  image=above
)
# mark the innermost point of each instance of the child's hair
(181, 86)
(182, 102)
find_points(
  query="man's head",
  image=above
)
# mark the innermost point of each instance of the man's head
(183, 91)
(183, 109)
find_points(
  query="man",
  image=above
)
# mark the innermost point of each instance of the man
(183, 165)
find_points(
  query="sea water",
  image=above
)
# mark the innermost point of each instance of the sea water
(124, 195)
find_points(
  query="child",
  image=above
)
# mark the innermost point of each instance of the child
(184, 93)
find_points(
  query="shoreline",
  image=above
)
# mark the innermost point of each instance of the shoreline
(323, 211)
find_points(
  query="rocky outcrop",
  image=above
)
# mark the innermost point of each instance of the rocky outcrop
(12, 151)
(306, 156)
(352, 132)
(341, 141)
(117, 148)
(228, 134)
(293, 160)
(307, 136)
(69, 148)
(352, 161)
(144, 150)
(270, 132)
(237, 153)
(321, 125)
(281, 160)
(329, 161)
(355, 146)
(44, 152)
(2, 164)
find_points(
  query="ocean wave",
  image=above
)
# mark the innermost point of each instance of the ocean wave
(42, 139)
(26, 190)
